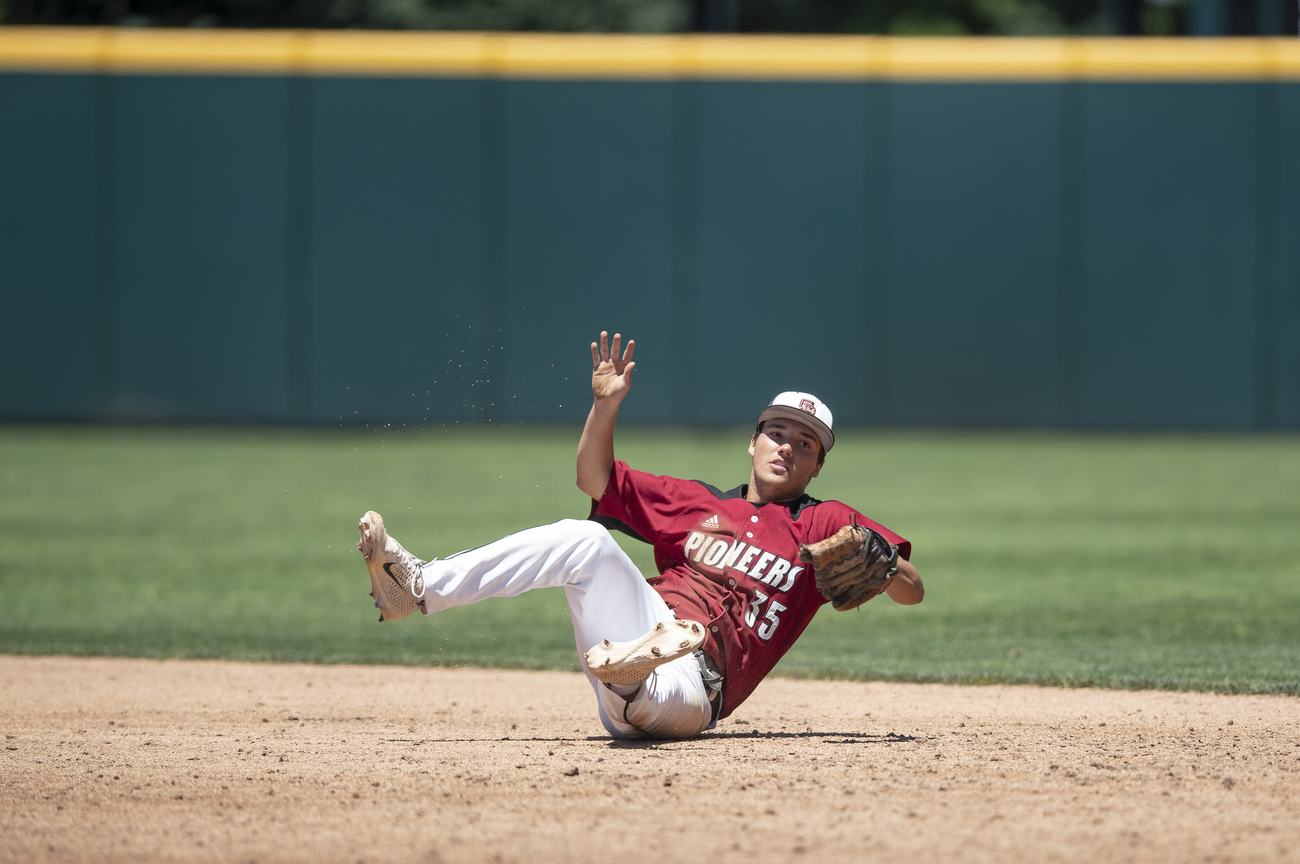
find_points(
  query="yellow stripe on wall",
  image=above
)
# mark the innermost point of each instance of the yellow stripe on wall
(518, 55)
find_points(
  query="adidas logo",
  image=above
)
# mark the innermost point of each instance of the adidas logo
(711, 522)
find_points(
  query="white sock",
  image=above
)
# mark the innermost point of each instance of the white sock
(624, 689)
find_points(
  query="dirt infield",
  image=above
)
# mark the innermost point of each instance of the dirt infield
(117, 760)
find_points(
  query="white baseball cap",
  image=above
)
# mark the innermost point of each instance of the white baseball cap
(803, 408)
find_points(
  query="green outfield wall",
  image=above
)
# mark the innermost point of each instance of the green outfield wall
(335, 228)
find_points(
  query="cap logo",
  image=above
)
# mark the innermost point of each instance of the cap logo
(807, 405)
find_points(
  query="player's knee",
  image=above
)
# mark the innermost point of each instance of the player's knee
(589, 533)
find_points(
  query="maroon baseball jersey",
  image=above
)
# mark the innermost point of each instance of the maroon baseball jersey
(730, 564)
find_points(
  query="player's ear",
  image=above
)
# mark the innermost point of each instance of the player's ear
(752, 441)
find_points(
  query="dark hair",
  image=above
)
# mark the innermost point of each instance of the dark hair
(821, 448)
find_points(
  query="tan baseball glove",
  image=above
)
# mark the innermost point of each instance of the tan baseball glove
(851, 566)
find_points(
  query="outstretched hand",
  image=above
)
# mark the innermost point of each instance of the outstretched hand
(611, 377)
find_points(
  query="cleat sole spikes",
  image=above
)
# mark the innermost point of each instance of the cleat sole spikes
(633, 662)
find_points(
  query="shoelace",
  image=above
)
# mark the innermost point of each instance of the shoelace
(410, 569)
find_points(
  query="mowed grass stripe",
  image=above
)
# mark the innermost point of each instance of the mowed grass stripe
(1167, 561)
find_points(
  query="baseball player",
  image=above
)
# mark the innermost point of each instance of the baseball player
(741, 573)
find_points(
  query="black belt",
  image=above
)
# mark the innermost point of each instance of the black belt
(712, 679)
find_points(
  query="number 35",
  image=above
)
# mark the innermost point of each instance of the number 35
(771, 620)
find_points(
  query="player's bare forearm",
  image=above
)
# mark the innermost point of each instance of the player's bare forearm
(596, 448)
(611, 378)
(906, 586)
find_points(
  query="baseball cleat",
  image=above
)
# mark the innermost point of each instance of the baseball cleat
(632, 662)
(396, 581)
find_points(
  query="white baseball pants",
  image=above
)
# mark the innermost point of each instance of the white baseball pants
(608, 599)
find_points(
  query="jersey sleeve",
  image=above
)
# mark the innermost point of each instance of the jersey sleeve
(636, 503)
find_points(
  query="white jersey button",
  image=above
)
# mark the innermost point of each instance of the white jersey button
(753, 518)
(714, 628)
(749, 534)
(731, 581)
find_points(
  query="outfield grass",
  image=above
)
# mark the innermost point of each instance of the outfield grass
(1119, 561)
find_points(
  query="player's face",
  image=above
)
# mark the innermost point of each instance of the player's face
(785, 459)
